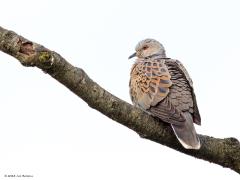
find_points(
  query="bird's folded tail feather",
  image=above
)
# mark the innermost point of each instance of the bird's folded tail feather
(186, 133)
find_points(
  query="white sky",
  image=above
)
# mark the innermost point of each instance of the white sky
(47, 132)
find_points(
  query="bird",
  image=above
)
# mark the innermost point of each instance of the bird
(162, 87)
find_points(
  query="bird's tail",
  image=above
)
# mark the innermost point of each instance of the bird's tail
(186, 133)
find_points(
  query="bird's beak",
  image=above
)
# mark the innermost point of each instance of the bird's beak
(133, 55)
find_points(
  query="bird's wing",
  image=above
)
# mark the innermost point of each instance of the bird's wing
(182, 93)
(150, 84)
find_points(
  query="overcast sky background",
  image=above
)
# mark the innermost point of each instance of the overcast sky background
(47, 132)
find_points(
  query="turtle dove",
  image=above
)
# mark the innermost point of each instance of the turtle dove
(162, 87)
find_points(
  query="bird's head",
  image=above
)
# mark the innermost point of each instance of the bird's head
(147, 48)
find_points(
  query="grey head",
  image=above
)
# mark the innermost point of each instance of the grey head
(147, 48)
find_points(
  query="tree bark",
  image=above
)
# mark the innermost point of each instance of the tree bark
(225, 152)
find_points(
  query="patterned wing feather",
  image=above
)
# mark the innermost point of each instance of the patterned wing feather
(149, 85)
(167, 112)
(182, 94)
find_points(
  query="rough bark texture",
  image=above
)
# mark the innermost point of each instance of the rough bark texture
(225, 152)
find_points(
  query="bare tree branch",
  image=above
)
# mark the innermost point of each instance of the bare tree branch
(225, 152)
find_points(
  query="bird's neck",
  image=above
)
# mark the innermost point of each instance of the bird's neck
(152, 57)
(157, 55)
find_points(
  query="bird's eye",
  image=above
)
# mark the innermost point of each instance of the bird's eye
(145, 47)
